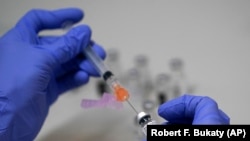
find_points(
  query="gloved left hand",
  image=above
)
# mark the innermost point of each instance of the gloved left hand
(35, 69)
(195, 110)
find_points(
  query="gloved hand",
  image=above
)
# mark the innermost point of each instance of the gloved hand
(196, 110)
(35, 70)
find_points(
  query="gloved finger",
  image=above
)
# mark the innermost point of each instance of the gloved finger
(225, 117)
(72, 65)
(80, 61)
(190, 109)
(36, 20)
(207, 112)
(72, 80)
(45, 40)
(71, 44)
(174, 111)
(87, 66)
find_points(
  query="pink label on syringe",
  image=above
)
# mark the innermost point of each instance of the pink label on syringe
(107, 101)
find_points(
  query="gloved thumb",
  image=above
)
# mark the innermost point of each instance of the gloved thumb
(36, 20)
(71, 44)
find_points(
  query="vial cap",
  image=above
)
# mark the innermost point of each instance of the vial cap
(142, 116)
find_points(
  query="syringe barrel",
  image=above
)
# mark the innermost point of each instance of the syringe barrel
(95, 60)
(112, 82)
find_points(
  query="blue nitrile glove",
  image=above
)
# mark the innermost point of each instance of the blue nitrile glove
(190, 109)
(35, 70)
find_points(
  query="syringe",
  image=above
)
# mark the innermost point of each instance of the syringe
(120, 92)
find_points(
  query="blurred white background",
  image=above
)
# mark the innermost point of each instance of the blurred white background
(212, 37)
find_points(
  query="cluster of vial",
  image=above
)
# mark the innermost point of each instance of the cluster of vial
(150, 91)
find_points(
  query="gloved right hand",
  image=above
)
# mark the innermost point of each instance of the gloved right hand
(35, 69)
(195, 110)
